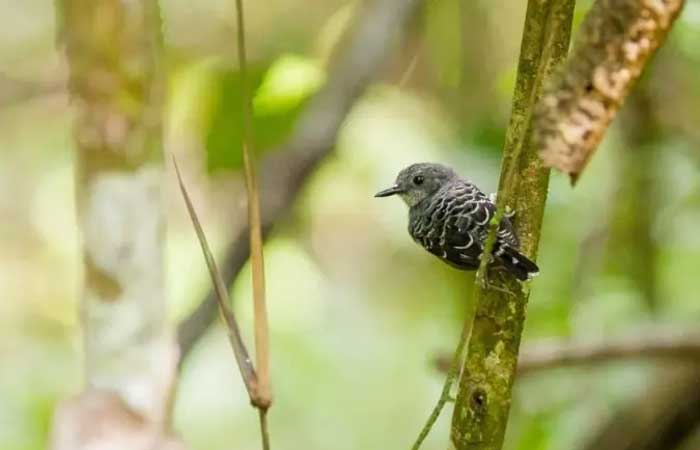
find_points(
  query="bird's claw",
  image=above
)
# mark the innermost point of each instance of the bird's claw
(509, 212)
(483, 282)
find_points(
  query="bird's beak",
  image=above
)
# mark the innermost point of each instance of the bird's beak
(395, 189)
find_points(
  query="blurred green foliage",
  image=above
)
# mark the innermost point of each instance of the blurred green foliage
(280, 90)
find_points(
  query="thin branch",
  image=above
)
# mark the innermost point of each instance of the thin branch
(221, 295)
(262, 345)
(262, 414)
(445, 396)
(657, 345)
(554, 354)
(381, 26)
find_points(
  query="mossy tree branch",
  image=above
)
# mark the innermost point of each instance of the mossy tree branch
(615, 44)
(483, 401)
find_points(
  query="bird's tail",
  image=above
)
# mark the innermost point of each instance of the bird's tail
(517, 264)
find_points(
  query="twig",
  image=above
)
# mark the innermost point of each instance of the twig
(412, 64)
(262, 349)
(262, 414)
(553, 354)
(221, 294)
(656, 345)
(452, 374)
(284, 173)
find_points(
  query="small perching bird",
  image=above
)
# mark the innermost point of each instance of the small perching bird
(450, 217)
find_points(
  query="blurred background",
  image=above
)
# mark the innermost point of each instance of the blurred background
(358, 312)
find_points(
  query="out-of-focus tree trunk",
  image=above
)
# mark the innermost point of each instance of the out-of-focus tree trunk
(631, 249)
(112, 47)
(664, 418)
(667, 415)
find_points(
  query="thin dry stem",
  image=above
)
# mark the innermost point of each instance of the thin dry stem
(262, 348)
(262, 414)
(239, 350)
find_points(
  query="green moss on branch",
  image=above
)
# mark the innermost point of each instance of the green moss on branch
(483, 402)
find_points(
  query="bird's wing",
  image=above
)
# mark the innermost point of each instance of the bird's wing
(446, 227)
(454, 226)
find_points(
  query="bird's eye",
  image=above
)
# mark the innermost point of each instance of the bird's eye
(418, 180)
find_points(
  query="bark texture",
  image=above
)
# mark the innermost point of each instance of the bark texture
(483, 402)
(615, 43)
(112, 48)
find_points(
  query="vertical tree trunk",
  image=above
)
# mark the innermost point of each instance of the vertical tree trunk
(112, 47)
(483, 402)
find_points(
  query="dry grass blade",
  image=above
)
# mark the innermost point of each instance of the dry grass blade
(239, 349)
(614, 44)
(263, 395)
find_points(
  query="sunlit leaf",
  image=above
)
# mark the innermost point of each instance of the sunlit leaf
(281, 90)
(223, 132)
(288, 82)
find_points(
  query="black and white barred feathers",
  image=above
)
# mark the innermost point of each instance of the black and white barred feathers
(450, 216)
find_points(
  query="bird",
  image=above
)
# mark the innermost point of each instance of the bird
(449, 216)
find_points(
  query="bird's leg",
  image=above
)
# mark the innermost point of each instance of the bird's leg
(509, 212)
(484, 282)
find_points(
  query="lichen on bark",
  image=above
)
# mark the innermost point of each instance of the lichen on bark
(615, 43)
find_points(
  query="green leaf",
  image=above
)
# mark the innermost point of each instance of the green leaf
(281, 91)
(223, 132)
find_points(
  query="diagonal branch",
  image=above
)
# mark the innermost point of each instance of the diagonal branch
(615, 43)
(661, 345)
(650, 345)
(240, 352)
(378, 29)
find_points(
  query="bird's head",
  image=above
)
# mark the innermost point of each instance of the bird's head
(418, 182)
